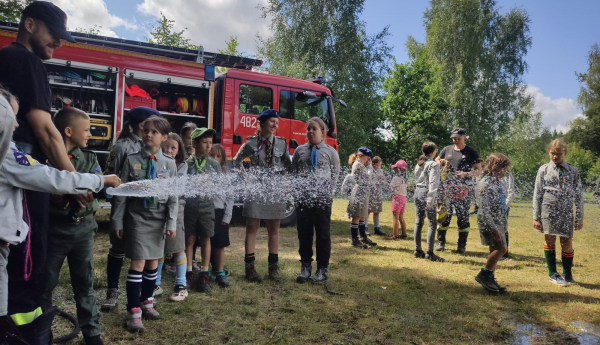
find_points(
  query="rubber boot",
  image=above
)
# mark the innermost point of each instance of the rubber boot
(9, 334)
(39, 332)
(441, 237)
(462, 242)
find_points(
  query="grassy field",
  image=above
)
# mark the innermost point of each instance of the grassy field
(389, 297)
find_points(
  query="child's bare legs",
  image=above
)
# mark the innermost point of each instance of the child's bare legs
(189, 250)
(252, 225)
(496, 253)
(402, 223)
(396, 224)
(205, 252)
(273, 233)
(219, 257)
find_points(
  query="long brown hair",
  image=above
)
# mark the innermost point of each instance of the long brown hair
(495, 163)
(162, 126)
(353, 157)
(180, 156)
(221, 150)
(320, 123)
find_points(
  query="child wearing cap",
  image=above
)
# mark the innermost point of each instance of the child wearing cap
(398, 189)
(358, 205)
(199, 213)
(268, 156)
(427, 180)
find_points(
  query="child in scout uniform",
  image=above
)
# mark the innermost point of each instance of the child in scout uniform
(269, 154)
(398, 188)
(145, 222)
(199, 214)
(358, 205)
(19, 171)
(186, 136)
(427, 180)
(377, 193)
(320, 164)
(72, 228)
(129, 141)
(492, 217)
(176, 246)
(223, 213)
(557, 189)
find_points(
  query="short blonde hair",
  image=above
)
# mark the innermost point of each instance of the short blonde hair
(557, 144)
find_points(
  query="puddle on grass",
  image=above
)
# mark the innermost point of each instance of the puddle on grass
(531, 334)
(587, 334)
(526, 333)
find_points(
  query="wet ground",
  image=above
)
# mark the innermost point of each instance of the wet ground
(578, 332)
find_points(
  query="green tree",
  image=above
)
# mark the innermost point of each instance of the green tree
(581, 158)
(327, 38)
(94, 30)
(11, 10)
(414, 107)
(163, 33)
(480, 54)
(231, 49)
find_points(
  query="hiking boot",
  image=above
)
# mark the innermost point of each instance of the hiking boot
(501, 288)
(357, 243)
(569, 279)
(112, 298)
(274, 271)
(148, 311)
(203, 283)
(180, 292)
(379, 232)
(432, 257)
(462, 242)
(486, 279)
(134, 320)
(157, 291)
(95, 340)
(441, 243)
(222, 280)
(251, 275)
(368, 242)
(419, 254)
(558, 280)
(305, 272)
(320, 276)
(190, 279)
(213, 273)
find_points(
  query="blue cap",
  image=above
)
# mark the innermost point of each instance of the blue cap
(267, 114)
(139, 114)
(54, 18)
(365, 151)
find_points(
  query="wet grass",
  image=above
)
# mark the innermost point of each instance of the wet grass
(388, 296)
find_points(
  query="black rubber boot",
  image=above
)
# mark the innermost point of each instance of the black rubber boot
(462, 242)
(441, 237)
(39, 332)
(9, 334)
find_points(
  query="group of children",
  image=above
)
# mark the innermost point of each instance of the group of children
(557, 189)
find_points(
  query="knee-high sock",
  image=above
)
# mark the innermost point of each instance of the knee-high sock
(161, 263)
(354, 230)
(114, 263)
(134, 285)
(148, 284)
(362, 228)
(180, 268)
(550, 253)
(567, 262)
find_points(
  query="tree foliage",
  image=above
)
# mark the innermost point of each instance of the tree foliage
(94, 30)
(326, 38)
(11, 10)
(164, 33)
(231, 48)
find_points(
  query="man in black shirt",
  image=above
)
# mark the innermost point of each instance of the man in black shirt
(41, 29)
(466, 165)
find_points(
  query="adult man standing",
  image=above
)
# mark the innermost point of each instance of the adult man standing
(41, 29)
(466, 165)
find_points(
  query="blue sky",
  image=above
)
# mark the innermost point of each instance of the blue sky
(562, 31)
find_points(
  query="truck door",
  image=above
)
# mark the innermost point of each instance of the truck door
(252, 99)
(287, 115)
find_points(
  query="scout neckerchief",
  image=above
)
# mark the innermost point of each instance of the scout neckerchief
(314, 159)
(268, 150)
(562, 179)
(199, 166)
(150, 175)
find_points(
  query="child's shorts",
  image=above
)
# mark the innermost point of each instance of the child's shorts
(492, 237)
(221, 237)
(398, 203)
(199, 222)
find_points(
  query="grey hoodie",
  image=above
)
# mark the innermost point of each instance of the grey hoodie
(428, 176)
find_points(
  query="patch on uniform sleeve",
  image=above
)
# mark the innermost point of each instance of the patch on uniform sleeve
(98, 168)
(23, 158)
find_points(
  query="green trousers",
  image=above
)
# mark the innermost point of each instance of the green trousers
(78, 248)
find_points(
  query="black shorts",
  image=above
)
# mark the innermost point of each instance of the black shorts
(221, 237)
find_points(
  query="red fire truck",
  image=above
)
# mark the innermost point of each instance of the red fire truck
(107, 76)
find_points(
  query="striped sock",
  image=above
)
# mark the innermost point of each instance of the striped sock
(567, 262)
(134, 285)
(203, 268)
(148, 284)
(550, 254)
(161, 263)
(354, 230)
(362, 228)
(114, 263)
(248, 258)
(188, 268)
(180, 269)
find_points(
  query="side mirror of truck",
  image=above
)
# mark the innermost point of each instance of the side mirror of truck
(310, 95)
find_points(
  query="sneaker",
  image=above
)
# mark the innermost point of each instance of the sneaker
(379, 232)
(157, 291)
(274, 271)
(320, 276)
(251, 275)
(358, 244)
(305, 272)
(486, 279)
(195, 266)
(569, 279)
(368, 242)
(110, 303)
(148, 311)
(134, 320)
(203, 283)
(213, 273)
(558, 280)
(419, 254)
(180, 292)
(222, 280)
(432, 257)
(172, 269)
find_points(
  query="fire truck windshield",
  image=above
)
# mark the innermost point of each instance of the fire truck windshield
(305, 108)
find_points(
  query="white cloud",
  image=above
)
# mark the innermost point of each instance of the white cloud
(556, 113)
(87, 13)
(211, 23)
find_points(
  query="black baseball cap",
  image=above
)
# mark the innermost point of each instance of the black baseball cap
(458, 132)
(54, 18)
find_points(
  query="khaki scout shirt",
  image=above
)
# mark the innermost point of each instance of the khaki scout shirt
(280, 160)
(211, 167)
(135, 168)
(328, 162)
(119, 153)
(548, 180)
